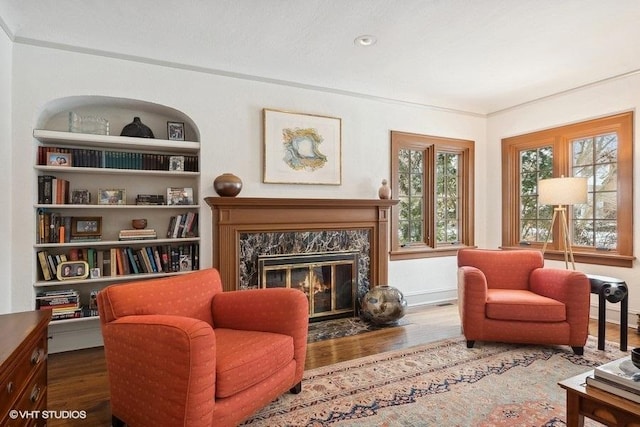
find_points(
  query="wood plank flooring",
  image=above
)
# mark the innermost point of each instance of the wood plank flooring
(78, 379)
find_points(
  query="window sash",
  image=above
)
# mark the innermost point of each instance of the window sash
(434, 221)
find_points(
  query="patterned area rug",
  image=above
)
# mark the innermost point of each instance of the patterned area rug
(441, 383)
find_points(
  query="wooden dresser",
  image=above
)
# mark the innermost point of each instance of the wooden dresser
(23, 367)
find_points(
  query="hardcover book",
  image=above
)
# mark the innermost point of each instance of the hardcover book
(613, 388)
(621, 371)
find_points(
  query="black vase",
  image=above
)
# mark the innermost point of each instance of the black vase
(137, 129)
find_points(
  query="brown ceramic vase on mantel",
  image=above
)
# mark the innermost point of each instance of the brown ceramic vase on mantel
(227, 185)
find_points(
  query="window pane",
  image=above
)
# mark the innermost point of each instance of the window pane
(536, 164)
(447, 201)
(594, 223)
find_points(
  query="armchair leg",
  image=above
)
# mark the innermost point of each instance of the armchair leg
(296, 388)
(116, 422)
(470, 343)
(579, 351)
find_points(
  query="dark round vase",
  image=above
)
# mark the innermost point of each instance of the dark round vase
(383, 305)
(137, 129)
(227, 185)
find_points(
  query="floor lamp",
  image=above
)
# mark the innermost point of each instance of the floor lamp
(562, 192)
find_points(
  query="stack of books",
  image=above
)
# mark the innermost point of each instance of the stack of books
(64, 304)
(144, 234)
(619, 377)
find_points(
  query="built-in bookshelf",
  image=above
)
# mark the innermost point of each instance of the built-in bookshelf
(89, 190)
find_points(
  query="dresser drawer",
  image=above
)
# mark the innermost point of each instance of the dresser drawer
(22, 370)
(33, 398)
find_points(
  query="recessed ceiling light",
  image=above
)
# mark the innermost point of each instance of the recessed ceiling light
(365, 40)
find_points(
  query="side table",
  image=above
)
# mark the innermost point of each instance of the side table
(612, 290)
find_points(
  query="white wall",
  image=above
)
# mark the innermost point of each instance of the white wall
(5, 172)
(597, 101)
(228, 114)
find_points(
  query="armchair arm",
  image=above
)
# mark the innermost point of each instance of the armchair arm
(279, 310)
(569, 287)
(161, 369)
(472, 296)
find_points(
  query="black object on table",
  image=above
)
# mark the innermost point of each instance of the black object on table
(612, 290)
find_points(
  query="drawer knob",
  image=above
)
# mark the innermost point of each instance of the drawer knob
(10, 387)
(35, 393)
(36, 356)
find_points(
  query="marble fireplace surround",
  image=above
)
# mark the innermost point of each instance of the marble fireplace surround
(245, 227)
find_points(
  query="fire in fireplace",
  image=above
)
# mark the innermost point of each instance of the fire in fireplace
(328, 279)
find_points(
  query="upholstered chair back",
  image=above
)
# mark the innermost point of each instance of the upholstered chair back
(503, 269)
(187, 295)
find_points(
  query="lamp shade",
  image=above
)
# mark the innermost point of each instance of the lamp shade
(562, 191)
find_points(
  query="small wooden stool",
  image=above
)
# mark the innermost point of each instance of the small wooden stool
(612, 290)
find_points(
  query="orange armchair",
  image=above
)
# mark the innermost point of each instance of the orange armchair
(180, 352)
(508, 296)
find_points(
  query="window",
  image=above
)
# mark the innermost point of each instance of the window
(599, 150)
(432, 177)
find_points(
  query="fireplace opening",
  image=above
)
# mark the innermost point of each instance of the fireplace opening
(328, 279)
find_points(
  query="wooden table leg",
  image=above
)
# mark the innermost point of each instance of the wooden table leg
(574, 418)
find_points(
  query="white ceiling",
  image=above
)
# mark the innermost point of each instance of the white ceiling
(478, 56)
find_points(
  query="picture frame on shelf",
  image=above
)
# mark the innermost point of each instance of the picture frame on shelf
(301, 148)
(176, 163)
(80, 197)
(94, 273)
(175, 131)
(112, 196)
(56, 158)
(68, 270)
(179, 196)
(86, 226)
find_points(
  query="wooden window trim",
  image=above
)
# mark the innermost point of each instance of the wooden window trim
(559, 138)
(431, 145)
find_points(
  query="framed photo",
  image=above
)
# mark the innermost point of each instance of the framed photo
(175, 131)
(72, 270)
(80, 197)
(94, 273)
(112, 197)
(302, 148)
(55, 158)
(86, 226)
(179, 195)
(176, 163)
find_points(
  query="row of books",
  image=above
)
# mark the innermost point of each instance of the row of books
(117, 159)
(183, 225)
(55, 228)
(619, 377)
(52, 190)
(126, 260)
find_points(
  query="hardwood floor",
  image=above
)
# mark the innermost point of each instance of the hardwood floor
(78, 379)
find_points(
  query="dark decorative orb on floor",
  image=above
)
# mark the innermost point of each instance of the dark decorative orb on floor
(383, 305)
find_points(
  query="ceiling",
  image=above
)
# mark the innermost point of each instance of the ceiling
(476, 56)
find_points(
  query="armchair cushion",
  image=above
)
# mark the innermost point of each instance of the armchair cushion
(521, 305)
(246, 358)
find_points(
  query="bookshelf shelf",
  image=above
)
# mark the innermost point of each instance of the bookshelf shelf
(50, 170)
(131, 168)
(115, 142)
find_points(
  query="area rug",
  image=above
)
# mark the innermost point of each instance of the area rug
(441, 383)
(344, 327)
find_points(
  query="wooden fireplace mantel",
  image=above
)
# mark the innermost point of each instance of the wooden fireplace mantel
(234, 215)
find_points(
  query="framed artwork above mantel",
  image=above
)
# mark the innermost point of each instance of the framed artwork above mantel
(301, 148)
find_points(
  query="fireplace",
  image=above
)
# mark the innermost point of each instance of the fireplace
(329, 280)
(247, 228)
